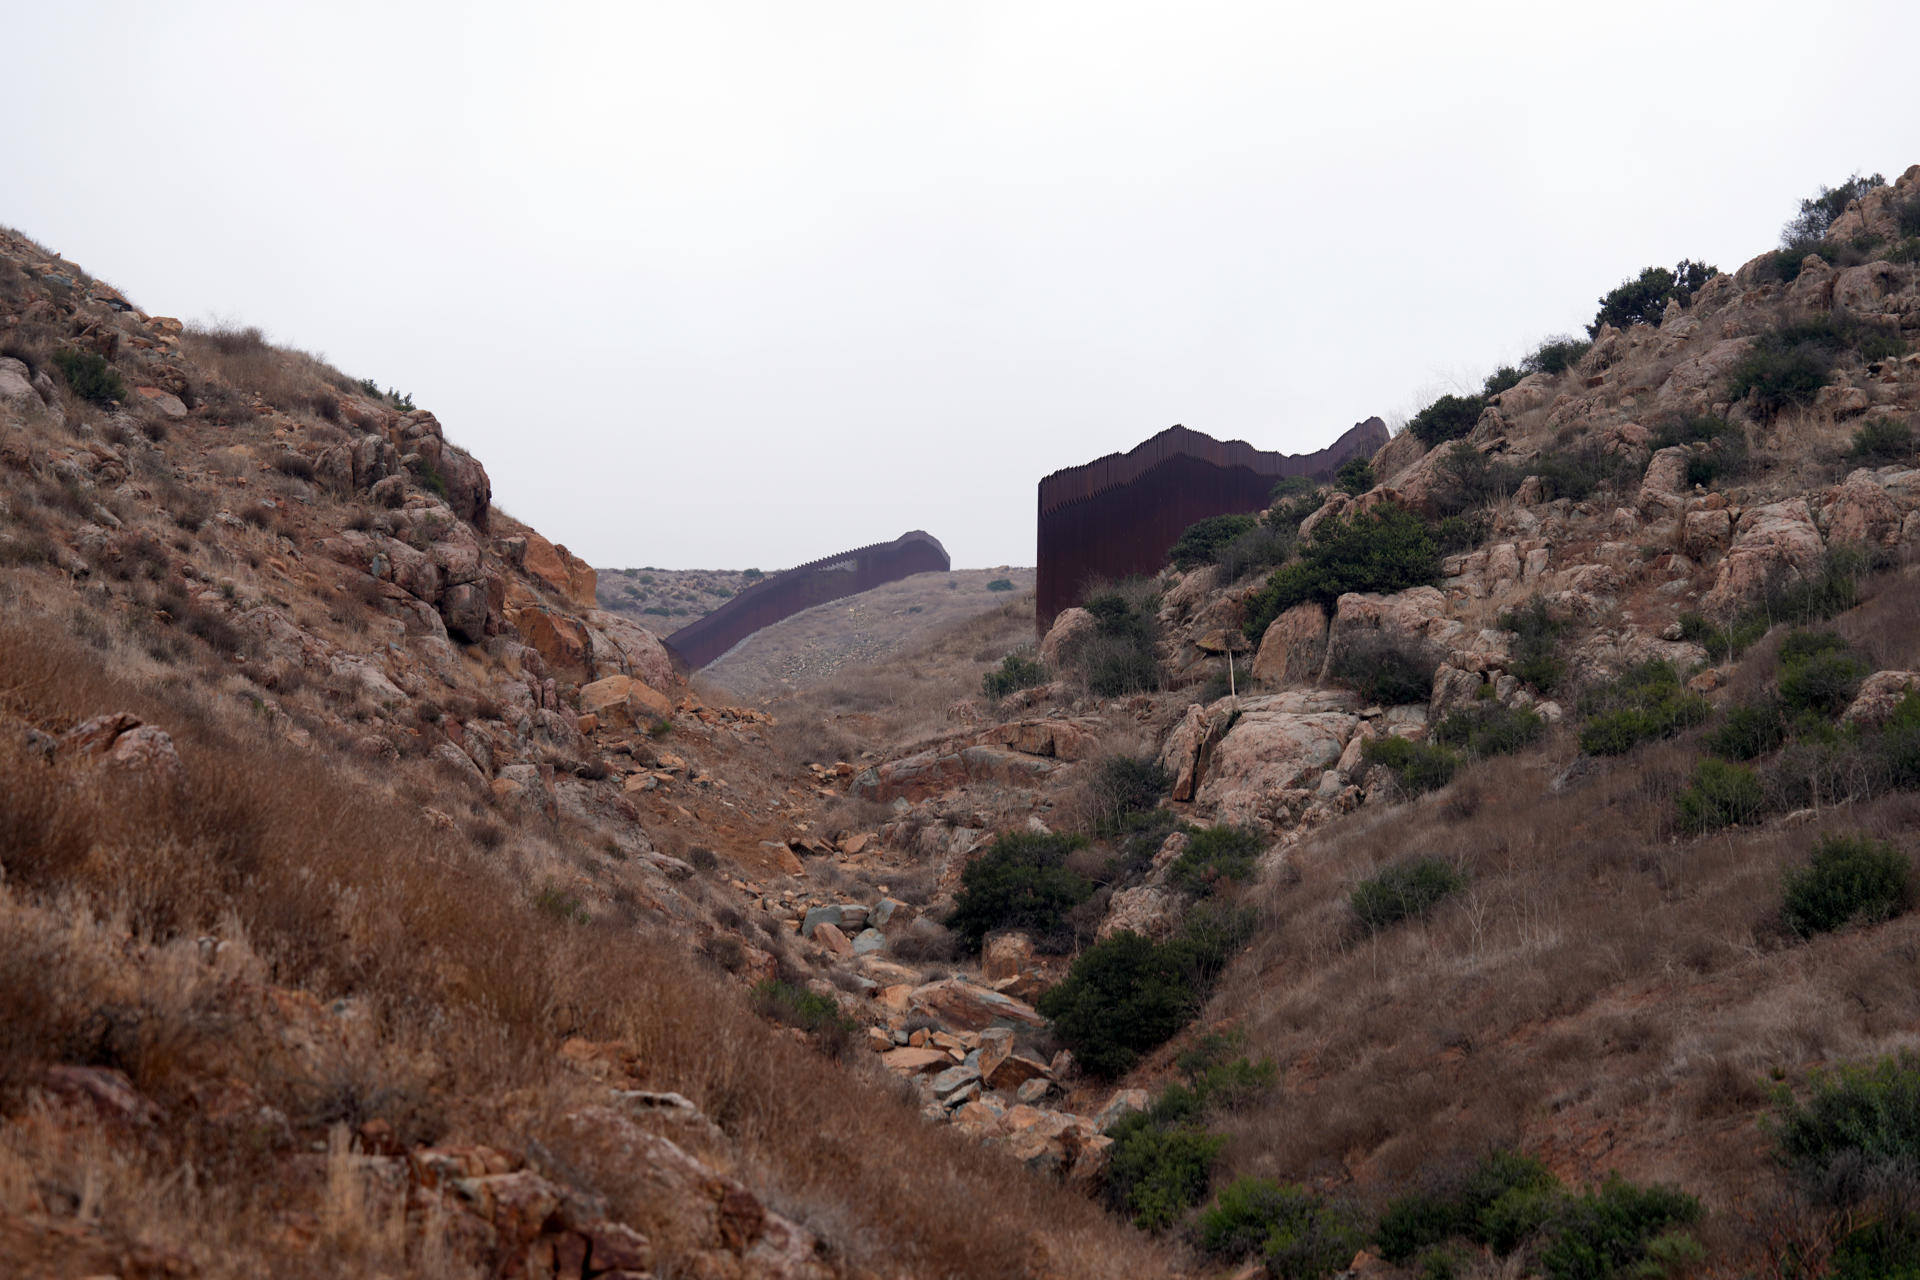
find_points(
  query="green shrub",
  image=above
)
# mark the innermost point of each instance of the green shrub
(1606, 1232)
(1123, 787)
(89, 375)
(1493, 730)
(1155, 1172)
(1137, 837)
(1789, 365)
(1448, 418)
(1643, 704)
(1386, 549)
(1000, 584)
(1419, 767)
(1201, 541)
(1882, 440)
(1355, 475)
(1501, 379)
(1850, 878)
(1834, 587)
(1468, 480)
(1536, 645)
(1818, 212)
(1460, 1207)
(1719, 448)
(1818, 674)
(1312, 1237)
(1236, 1225)
(1720, 795)
(1127, 995)
(1749, 730)
(1261, 547)
(1022, 881)
(1644, 299)
(1386, 672)
(797, 1007)
(1403, 890)
(1578, 474)
(1215, 855)
(1556, 355)
(1016, 671)
(1122, 656)
(1855, 1141)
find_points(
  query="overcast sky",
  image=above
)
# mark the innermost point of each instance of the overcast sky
(720, 285)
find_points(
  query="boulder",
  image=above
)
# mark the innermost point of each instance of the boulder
(1780, 537)
(1293, 648)
(1053, 738)
(1695, 384)
(1706, 533)
(830, 937)
(1860, 510)
(960, 1003)
(564, 573)
(1880, 693)
(631, 649)
(1396, 455)
(1152, 911)
(463, 607)
(1184, 755)
(1406, 619)
(1279, 742)
(16, 384)
(1072, 629)
(1006, 955)
(1660, 487)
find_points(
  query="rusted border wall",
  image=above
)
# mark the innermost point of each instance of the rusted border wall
(1117, 516)
(785, 594)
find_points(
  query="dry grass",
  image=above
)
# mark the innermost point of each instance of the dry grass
(1603, 993)
(287, 379)
(456, 989)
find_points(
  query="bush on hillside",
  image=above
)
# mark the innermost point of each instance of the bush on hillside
(1215, 856)
(1448, 418)
(1833, 587)
(1161, 1162)
(1386, 549)
(1261, 547)
(1787, 366)
(1720, 795)
(1723, 640)
(1556, 355)
(1022, 881)
(1880, 441)
(1000, 584)
(1202, 540)
(1536, 645)
(1457, 1207)
(1818, 212)
(1491, 730)
(1123, 786)
(1123, 655)
(1419, 767)
(1749, 730)
(1644, 704)
(1300, 1235)
(1355, 475)
(1384, 670)
(90, 376)
(1404, 890)
(1818, 673)
(1719, 448)
(1016, 671)
(816, 1014)
(1644, 299)
(1849, 879)
(1127, 995)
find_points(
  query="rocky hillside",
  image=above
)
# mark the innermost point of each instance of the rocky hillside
(1432, 876)
(667, 599)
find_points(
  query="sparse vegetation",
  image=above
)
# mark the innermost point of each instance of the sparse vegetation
(1355, 475)
(1880, 441)
(1536, 645)
(1818, 212)
(1216, 856)
(1493, 729)
(1419, 767)
(1123, 655)
(1016, 671)
(1386, 671)
(1643, 704)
